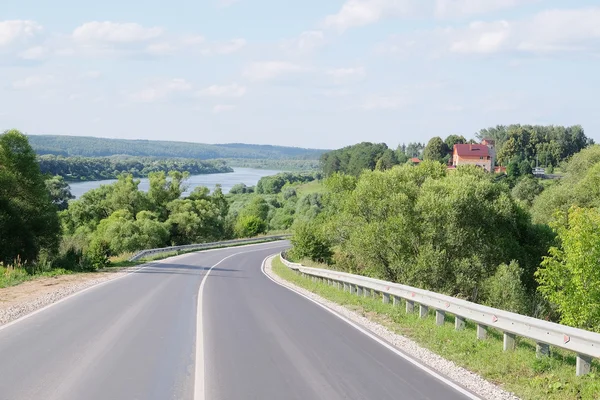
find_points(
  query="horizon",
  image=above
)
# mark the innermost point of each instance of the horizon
(311, 75)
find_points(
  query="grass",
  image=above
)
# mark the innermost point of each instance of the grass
(310, 188)
(12, 276)
(519, 371)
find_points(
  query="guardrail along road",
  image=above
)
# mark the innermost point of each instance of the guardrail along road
(136, 338)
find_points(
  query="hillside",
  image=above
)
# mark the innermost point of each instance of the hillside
(101, 147)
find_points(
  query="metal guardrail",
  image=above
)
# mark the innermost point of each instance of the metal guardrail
(584, 343)
(200, 246)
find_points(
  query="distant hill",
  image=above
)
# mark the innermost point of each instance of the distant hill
(100, 147)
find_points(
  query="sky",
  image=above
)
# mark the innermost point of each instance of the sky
(310, 73)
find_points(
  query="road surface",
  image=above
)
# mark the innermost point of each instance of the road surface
(135, 338)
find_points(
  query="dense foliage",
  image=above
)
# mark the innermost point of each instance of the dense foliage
(355, 159)
(273, 164)
(101, 147)
(90, 169)
(274, 184)
(550, 145)
(28, 217)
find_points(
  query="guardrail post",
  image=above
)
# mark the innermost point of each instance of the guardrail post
(410, 306)
(509, 341)
(366, 292)
(386, 298)
(583, 364)
(396, 301)
(440, 317)
(359, 291)
(459, 323)
(340, 286)
(481, 332)
(346, 286)
(352, 289)
(423, 311)
(542, 350)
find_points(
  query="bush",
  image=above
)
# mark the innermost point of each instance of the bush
(504, 289)
(250, 226)
(310, 242)
(98, 254)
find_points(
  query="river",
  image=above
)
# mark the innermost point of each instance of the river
(248, 176)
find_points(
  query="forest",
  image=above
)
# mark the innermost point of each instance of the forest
(100, 168)
(82, 146)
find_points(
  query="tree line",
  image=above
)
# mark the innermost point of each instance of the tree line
(94, 168)
(68, 146)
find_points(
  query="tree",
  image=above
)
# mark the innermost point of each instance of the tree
(527, 189)
(435, 150)
(505, 289)
(310, 242)
(250, 226)
(59, 191)
(454, 139)
(569, 277)
(28, 218)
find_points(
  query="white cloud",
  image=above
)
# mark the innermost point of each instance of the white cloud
(33, 82)
(114, 32)
(482, 37)
(220, 108)
(462, 8)
(383, 102)
(358, 13)
(161, 91)
(15, 30)
(229, 46)
(263, 71)
(306, 42)
(232, 90)
(548, 32)
(34, 53)
(341, 76)
(161, 48)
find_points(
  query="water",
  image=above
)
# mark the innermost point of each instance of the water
(248, 176)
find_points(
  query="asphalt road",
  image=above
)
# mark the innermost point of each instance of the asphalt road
(135, 338)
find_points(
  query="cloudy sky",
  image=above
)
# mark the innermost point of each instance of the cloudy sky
(310, 73)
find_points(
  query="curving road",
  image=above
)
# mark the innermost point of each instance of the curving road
(136, 338)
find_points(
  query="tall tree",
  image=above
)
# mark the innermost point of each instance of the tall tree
(28, 219)
(436, 150)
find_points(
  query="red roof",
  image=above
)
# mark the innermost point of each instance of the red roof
(471, 150)
(415, 160)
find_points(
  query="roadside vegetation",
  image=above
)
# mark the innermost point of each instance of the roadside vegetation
(45, 231)
(518, 371)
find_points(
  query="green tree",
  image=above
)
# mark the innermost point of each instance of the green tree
(250, 226)
(569, 277)
(527, 189)
(454, 139)
(310, 242)
(436, 150)
(59, 191)
(505, 289)
(28, 218)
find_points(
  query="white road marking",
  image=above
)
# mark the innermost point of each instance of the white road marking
(199, 384)
(366, 332)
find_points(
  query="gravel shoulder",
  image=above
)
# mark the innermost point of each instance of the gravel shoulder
(18, 301)
(462, 376)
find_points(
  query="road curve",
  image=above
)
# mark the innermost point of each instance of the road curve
(135, 338)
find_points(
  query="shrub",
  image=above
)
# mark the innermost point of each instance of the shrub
(504, 289)
(250, 226)
(310, 242)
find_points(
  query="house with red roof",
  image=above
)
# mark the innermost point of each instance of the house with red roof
(481, 155)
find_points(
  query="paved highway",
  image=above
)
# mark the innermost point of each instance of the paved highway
(136, 338)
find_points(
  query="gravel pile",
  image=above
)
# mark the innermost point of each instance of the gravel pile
(463, 377)
(17, 311)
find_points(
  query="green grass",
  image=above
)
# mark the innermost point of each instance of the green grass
(15, 276)
(310, 188)
(520, 372)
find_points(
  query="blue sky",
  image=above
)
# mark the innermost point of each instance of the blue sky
(311, 73)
